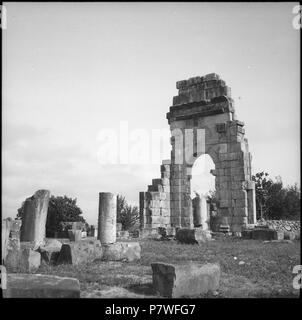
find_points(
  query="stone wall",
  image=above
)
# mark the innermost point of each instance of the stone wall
(155, 203)
(282, 225)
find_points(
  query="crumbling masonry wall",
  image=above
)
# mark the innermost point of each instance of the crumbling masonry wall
(202, 103)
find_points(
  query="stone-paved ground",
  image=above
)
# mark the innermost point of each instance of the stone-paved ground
(250, 268)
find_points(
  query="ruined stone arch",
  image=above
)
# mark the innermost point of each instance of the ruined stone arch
(204, 111)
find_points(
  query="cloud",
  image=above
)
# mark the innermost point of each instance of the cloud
(32, 160)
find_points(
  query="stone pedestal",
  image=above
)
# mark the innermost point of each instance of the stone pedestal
(107, 218)
(34, 217)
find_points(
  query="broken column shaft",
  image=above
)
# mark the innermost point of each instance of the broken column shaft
(107, 218)
(34, 217)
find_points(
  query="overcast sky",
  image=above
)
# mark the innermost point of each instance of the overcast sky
(73, 69)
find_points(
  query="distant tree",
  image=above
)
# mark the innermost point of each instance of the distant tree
(60, 209)
(292, 202)
(262, 186)
(273, 201)
(275, 208)
(127, 215)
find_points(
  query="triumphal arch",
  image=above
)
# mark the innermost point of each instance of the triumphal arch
(202, 120)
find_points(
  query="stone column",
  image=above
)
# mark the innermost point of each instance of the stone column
(196, 211)
(34, 217)
(251, 200)
(204, 212)
(107, 218)
(201, 212)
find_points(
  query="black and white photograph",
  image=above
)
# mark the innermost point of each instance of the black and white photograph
(150, 151)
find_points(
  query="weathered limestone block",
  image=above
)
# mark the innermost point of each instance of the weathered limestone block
(23, 260)
(34, 217)
(188, 280)
(41, 286)
(107, 218)
(83, 251)
(127, 251)
(192, 236)
(75, 235)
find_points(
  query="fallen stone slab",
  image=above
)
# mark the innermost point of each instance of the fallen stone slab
(186, 280)
(83, 251)
(23, 260)
(122, 251)
(267, 234)
(193, 236)
(41, 286)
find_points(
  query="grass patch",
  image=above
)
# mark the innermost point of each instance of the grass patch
(266, 272)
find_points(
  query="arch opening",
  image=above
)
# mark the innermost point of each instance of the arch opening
(202, 192)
